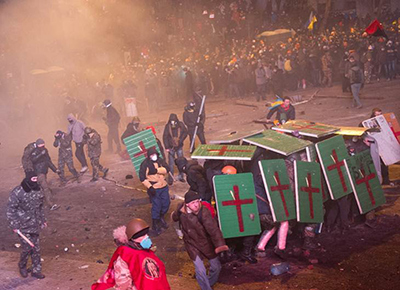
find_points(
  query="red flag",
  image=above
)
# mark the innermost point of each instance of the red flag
(376, 29)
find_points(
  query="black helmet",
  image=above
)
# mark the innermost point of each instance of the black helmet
(88, 130)
(107, 103)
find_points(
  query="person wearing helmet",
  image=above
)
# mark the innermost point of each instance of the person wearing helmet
(202, 237)
(190, 116)
(229, 169)
(133, 264)
(41, 163)
(93, 141)
(175, 133)
(63, 142)
(26, 157)
(112, 120)
(152, 174)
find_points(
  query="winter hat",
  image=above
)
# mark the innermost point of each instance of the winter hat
(39, 141)
(191, 196)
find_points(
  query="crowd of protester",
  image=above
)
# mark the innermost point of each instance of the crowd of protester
(212, 47)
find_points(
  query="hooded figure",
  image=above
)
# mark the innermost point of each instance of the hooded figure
(112, 121)
(77, 129)
(152, 174)
(195, 177)
(175, 133)
(25, 213)
(131, 129)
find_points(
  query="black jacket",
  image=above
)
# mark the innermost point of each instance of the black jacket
(197, 179)
(130, 130)
(290, 113)
(113, 117)
(173, 138)
(41, 161)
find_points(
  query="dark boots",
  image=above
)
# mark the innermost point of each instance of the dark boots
(163, 223)
(155, 228)
(245, 255)
(23, 272)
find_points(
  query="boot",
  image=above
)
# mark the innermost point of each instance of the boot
(245, 255)
(163, 223)
(280, 253)
(23, 272)
(155, 228)
(105, 171)
(309, 243)
(38, 275)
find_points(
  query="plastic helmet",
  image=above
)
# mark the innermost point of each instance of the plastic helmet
(152, 129)
(135, 120)
(135, 226)
(88, 130)
(229, 169)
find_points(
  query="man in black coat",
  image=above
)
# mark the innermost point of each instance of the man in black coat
(175, 133)
(195, 177)
(190, 119)
(112, 121)
(284, 112)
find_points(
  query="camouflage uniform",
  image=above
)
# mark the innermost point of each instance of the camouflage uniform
(25, 213)
(26, 157)
(94, 152)
(41, 163)
(65, 155)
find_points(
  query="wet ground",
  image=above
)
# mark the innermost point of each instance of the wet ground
(78, 244)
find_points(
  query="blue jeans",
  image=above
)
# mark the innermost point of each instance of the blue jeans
(355, 90)
(391, 69)
(171, 158)
(160, 203)
(206, 281)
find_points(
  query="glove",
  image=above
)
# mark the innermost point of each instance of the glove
(225, 257)
(151, 191)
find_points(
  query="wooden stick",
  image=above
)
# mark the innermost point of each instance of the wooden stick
(25, 238)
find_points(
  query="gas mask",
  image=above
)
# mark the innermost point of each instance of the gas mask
(154, 157)
(173, 124)
(71, 121)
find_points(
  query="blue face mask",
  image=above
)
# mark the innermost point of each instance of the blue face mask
(146, 243)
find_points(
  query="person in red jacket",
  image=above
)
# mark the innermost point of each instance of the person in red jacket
(133, 265)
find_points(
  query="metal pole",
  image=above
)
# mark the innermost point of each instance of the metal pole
(198, 121)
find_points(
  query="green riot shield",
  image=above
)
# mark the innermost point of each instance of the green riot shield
(236, 205)
(137, 146)
(309, 203)
(365, 182)
(279, 193)
(331, 155)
